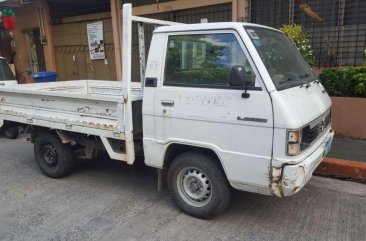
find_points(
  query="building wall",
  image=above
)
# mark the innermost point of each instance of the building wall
(72, 53)
(26, 18)
(30, 17)
(71, 45)
(66, 51)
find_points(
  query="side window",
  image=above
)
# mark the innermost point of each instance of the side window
(204, 59)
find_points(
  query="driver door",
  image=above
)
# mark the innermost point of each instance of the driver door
(195, 105)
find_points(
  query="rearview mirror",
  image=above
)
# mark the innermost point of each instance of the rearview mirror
(237, 76)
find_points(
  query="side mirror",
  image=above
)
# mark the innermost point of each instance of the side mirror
(237, 76)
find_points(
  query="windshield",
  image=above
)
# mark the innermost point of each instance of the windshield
(5, 72)
(283, 61)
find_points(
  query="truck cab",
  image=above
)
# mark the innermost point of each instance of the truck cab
(7, 77)
(242, 95)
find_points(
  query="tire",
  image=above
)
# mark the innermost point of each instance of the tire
(53, 158)
(198, 185)
(11, 132)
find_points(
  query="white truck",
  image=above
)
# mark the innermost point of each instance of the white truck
(7, 78)
(219, 106)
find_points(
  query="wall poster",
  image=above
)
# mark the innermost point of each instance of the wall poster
(96, 41)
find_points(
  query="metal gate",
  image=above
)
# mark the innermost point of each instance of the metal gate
(337, 28)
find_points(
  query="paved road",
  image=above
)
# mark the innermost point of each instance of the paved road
(107, 200)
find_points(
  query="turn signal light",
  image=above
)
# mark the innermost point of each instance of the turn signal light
(293, 142)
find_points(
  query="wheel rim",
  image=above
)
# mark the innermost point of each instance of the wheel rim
(49, 155)
(194, 187)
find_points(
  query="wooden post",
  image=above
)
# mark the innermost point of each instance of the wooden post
(46, 29)
(234, 7)
(340, 31)
(291, 15)
(239, 10)
(117, 36)
(242, 10)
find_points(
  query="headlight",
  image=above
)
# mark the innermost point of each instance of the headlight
(293, 142)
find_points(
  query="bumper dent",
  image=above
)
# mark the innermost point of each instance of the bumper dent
(276, 181)
(290, 179)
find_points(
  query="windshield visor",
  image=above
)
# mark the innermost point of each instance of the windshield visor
(282, 59)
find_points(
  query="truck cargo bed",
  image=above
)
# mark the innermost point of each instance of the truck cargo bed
(84, 106)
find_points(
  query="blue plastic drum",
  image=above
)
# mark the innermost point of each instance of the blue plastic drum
(44, 76)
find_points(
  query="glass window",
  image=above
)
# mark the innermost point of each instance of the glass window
(5, 72)
(283, 61)
(204, 60)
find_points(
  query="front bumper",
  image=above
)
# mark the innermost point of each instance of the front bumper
(294, 177)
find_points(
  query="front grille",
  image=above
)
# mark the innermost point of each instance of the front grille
(309, 134)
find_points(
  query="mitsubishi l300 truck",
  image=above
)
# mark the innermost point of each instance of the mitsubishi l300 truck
(219, 106)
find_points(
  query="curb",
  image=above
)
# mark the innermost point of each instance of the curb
(342, 168)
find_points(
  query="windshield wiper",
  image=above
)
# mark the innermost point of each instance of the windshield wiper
(306, 83)
(304, 76)
(307, 75)
(287, 80)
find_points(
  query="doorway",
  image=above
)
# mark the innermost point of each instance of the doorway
(36, 53)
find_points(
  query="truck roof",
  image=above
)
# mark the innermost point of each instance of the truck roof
(208, 26)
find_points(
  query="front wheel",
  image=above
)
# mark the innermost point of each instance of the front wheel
(54, 158)
(198, 185)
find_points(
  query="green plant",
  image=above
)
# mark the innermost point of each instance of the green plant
(349, 81)
(354, 76)
(300, 38)
(360, 85)
(332, 80)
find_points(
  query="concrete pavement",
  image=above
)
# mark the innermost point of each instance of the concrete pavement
(107, 200)
(348, 149)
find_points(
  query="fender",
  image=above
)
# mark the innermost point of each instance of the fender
(161, 148)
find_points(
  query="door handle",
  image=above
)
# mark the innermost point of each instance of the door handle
(167, 103)
(151, 82)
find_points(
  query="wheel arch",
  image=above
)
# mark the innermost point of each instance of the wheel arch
(36, 130)
(175, 149)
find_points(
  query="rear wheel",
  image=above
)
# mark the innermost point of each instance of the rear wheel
(11, 132)
(54, 158)
(198, 185)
